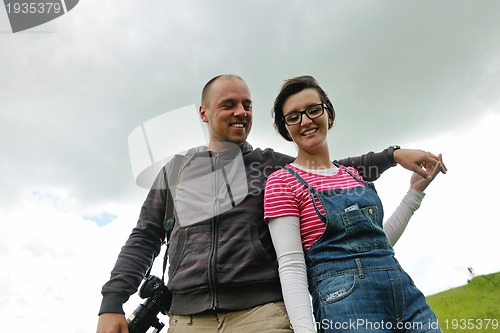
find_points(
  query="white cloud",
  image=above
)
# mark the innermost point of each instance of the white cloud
(54, 264)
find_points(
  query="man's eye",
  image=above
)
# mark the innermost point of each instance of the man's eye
(247, 107)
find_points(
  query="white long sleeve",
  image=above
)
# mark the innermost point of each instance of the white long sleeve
(396, 224)
(285, 232)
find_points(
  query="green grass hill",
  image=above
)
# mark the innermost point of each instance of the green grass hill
(474, 307)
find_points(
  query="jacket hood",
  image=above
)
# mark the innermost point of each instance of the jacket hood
(244, 147)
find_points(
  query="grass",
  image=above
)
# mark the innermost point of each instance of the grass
(474, 307)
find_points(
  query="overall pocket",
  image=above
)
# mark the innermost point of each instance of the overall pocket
(363, 234)
(336, 288)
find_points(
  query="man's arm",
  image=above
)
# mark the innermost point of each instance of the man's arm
(371, 165)
(135, 258)
(112, 323)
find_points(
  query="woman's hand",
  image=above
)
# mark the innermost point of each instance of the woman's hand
(420, 183)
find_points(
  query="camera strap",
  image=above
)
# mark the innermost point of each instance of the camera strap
(168, 222)
(172, 178)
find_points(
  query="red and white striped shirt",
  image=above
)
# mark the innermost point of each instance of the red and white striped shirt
(285, 196)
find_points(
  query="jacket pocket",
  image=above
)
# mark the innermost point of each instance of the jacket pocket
(190, 258)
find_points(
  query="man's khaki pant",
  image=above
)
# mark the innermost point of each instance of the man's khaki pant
(267, 318)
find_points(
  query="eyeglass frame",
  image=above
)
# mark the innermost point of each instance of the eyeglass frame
(304, 112)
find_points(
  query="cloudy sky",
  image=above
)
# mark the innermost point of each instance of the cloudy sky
(422, 74)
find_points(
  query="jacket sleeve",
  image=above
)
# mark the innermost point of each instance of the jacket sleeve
(280, 160)
(370, 165)
(139, 251)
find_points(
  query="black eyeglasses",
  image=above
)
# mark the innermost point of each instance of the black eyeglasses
(295, 117)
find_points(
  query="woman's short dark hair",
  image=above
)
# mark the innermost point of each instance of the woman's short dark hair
(291, 87)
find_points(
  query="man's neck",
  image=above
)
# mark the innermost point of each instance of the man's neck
(220, 147)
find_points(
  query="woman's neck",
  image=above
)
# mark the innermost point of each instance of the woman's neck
(314, 160)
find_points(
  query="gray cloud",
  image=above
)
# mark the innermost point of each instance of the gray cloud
(71, 94)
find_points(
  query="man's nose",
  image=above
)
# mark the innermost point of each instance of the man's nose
(240, 111)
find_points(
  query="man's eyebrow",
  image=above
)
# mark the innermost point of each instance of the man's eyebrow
(227, 100)
(233, 101)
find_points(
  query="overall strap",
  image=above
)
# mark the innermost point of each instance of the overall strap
(297, 176)
(349, 172)
(312, 192)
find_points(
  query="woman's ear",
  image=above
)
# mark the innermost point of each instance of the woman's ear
(331, 115)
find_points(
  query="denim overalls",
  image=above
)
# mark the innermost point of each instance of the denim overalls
(355, 282)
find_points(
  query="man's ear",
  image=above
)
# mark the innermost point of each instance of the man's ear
(203, 114)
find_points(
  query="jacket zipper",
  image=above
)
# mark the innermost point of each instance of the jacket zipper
(212, 262)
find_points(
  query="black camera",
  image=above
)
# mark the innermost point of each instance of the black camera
(158, 299)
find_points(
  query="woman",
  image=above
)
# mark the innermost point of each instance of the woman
(326, 225)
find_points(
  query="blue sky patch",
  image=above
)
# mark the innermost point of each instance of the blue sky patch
(101, 219)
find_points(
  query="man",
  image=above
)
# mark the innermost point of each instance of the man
(223, 270)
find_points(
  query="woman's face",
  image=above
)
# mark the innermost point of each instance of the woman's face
(308, 134)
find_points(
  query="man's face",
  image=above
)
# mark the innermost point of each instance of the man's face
(227, 111)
